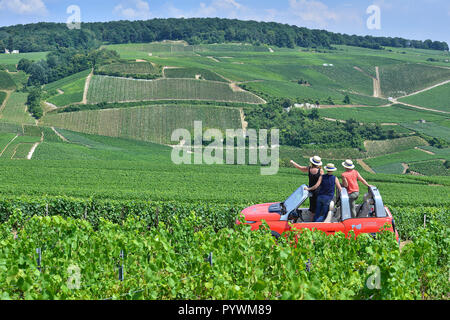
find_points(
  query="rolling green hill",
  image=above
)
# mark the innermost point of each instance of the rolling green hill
(111, 89)
(16, 110)
(402, 79)
(151, 123)
(437, 98)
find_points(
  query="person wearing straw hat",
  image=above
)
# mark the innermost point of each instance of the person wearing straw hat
(325, 195)
(350, 180)
(314, 171)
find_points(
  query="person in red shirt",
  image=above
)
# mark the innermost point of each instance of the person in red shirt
(350, 180)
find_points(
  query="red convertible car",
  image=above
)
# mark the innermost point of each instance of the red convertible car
(287, 216)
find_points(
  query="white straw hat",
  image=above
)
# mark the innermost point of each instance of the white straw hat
(330, 167)
(317, 161)
(348, 164)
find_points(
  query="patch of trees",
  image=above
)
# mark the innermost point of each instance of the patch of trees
(302, 128)
(51, 36)
(34, 102)
(114, 105)
(62, 63)
(303, 82)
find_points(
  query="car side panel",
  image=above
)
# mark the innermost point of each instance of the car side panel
(328, 228)
(366, 225)
(278, 226)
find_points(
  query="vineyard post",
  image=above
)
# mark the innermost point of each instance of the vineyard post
(46, 209)
(121, 266)
(424, 220)
(210, 259)
(38, 260)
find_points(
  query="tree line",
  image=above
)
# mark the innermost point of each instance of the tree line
(50, 36)
(303, 128)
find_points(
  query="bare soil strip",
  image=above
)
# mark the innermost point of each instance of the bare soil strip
(33, 148)
(59, 135)
(86, 86)
(405, 167)
(426, 151)
(426, 89)
(334, 120)
(421, 108)
(8, 144)
(365, 166)
(376, 81)
(236, 88)
(362, 71)
(165, 68)
(51, 106)
(213, 59)
(244, 123)
(377, 84)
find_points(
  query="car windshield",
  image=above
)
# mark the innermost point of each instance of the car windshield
(294, 200)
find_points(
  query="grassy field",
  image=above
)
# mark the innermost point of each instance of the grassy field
(72, 89)
(376, 148)
(429, 128)
(157, 177)
(20, 147)
(437, 98)
(110, 89)
(6, 82)
(151, 123)
(402, 79)
(15, 109)
(20, 79)
(391, 163)
(393, 114)
(2, 96)
(130, 68)
(9, 59)
(430, 168)
(193, 73)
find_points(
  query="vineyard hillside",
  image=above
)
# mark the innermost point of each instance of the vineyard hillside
(151, 123)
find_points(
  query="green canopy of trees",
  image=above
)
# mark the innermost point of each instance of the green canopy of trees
(49, 36)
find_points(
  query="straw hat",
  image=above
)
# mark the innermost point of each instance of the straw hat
(348, 164)
(330, 167)
(317, 161)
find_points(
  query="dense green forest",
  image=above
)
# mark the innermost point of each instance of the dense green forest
(49, 36)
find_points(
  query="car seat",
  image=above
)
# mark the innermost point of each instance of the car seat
(307, 216)
(365, 208)
(330, 213)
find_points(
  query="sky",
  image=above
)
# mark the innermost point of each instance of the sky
(411, 19)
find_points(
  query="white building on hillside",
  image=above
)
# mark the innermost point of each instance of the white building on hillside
(15, 52)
